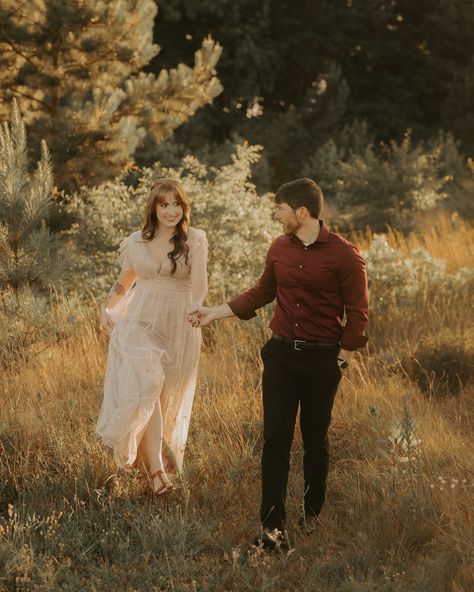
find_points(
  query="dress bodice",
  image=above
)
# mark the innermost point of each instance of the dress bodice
(135, 254)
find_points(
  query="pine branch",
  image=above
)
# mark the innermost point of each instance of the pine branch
(24, 201)
(27, 96)
(15, 49)
(95, 97)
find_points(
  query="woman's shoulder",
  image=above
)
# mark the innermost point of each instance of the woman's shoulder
(134, 237)
(196, 234)
(131, 239)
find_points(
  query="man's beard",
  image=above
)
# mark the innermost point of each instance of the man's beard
(291, 228)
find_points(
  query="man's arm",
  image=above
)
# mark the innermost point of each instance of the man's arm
(353, 283)
(200, 316)
(243, 306)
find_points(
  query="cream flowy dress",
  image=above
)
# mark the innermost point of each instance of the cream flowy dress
(153, 352)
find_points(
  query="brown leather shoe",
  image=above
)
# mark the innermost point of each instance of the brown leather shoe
(271, 540)
(308, 523)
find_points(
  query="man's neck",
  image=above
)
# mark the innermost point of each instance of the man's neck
(309, 232)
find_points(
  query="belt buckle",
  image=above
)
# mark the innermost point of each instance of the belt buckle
(295, 342)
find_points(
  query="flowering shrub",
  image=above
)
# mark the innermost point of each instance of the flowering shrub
(398, 280)
(380, 185)
(225, 204)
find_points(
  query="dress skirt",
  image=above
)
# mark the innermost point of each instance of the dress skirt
(152, 360)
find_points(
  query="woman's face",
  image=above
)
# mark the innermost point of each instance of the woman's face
(169, 212)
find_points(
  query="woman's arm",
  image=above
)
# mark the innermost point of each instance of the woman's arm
(120, 288)
(117, 292)
(199, 269)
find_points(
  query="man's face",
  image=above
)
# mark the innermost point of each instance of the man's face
(287, 218)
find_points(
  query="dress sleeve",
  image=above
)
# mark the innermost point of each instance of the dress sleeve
(125, 254)
(198, 251)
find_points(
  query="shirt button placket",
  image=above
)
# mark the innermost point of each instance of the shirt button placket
(300, 266)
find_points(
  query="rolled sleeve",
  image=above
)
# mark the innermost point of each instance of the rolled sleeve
(353, 282)
(237, 306)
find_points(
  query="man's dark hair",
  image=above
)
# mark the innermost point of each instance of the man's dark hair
(299, 193)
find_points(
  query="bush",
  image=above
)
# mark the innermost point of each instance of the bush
(442, 365)
(461, 198)
(383, 185)
(30, 323)
(397, 280)
(238, 222)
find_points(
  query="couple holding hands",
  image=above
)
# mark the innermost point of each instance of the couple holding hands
(319, 281)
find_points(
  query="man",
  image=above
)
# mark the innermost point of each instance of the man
(317, 277)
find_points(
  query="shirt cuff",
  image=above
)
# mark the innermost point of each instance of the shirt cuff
(240, 312)
(353, 342)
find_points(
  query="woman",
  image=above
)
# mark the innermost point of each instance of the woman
(153, 352)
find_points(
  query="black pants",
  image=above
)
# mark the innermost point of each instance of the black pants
(291, 379)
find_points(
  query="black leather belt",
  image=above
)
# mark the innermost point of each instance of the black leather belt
(300, 344)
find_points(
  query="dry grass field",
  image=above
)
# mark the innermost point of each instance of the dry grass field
(399, 508)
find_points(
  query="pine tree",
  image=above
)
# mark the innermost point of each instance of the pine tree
(26, 247)
(77, 67)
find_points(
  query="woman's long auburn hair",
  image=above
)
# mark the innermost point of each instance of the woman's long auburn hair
(159, 191)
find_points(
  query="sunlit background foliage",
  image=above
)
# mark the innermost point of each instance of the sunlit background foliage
(374, 101)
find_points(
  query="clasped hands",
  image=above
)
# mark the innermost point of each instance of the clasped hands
(198, 316)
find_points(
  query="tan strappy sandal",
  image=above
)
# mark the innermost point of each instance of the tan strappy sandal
(166, 484)
(169, 459)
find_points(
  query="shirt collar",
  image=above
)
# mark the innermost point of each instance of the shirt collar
(323, 236)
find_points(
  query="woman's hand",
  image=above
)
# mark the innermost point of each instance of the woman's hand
(200, 316)
(106, 320)
(193, 316)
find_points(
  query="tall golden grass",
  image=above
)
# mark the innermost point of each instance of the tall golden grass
(398, 515)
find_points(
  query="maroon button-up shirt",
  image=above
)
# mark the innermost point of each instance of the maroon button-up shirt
(314, 286)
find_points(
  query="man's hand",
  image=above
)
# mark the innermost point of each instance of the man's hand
(200, 316)
(345, 354)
